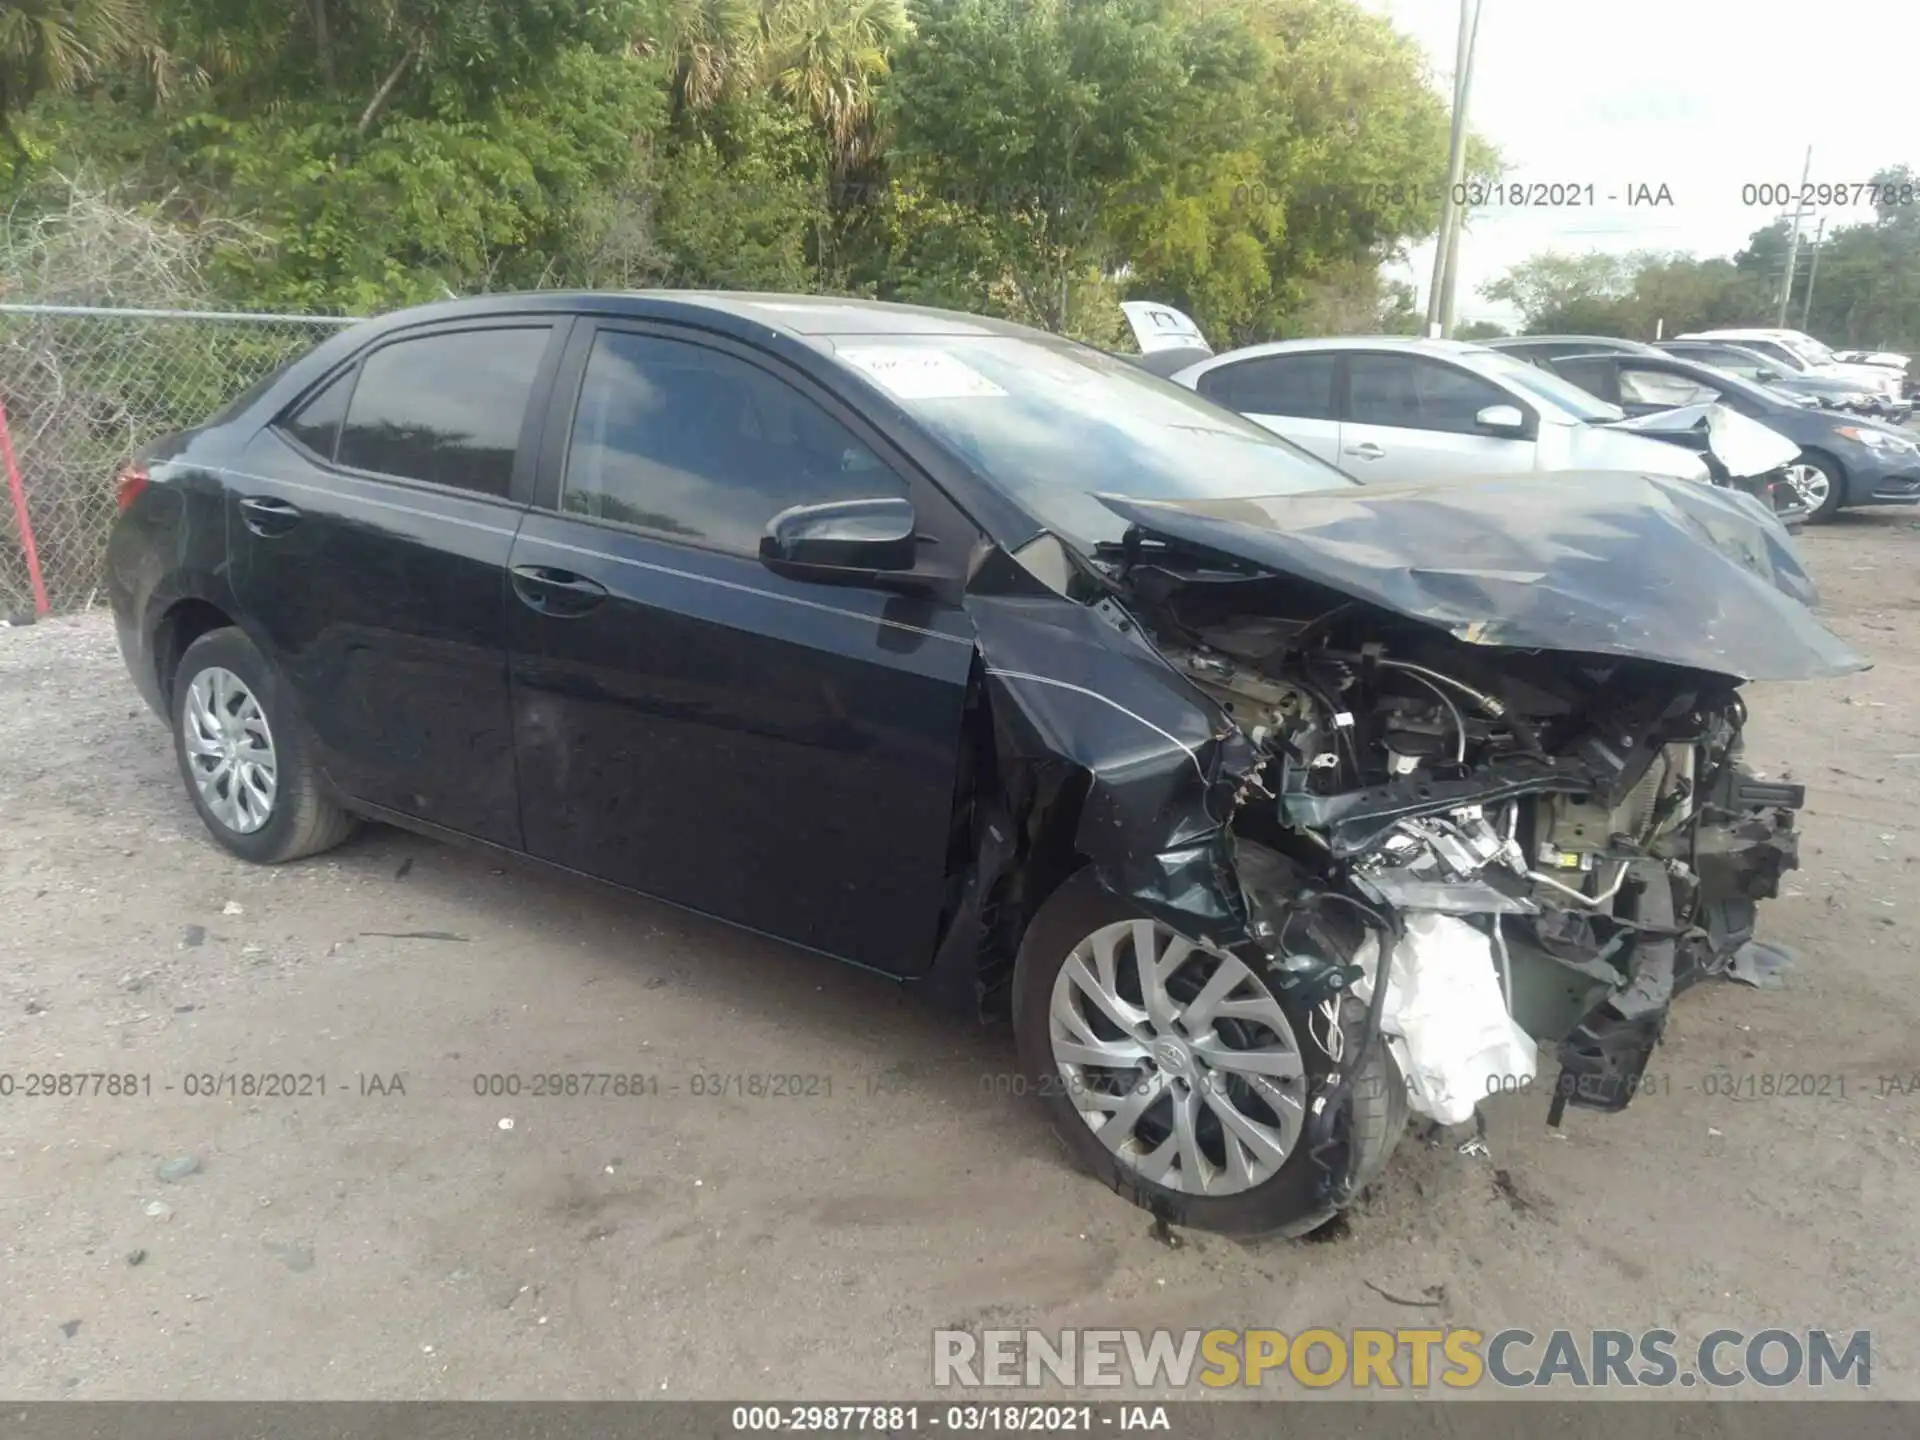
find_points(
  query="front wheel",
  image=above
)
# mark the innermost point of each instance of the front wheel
(244, 756)
(1819, 484)
(1178, 1075)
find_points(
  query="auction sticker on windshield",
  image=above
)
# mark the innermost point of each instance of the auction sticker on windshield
(915, 374)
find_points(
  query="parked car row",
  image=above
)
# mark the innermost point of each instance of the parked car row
(1803, 388)
(1798, 355)
(1843, 460)
(1901, 365)
(1807, 442)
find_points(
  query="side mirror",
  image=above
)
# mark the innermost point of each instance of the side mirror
(849, 541)
(1763, 376)
(1502, 420)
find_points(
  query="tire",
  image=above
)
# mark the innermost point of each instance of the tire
(1829, 474)
(1283, 1201)
(295, 819)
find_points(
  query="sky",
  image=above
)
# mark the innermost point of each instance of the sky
(1702, 96)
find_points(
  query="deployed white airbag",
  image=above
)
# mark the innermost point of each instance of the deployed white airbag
(1446, 1021)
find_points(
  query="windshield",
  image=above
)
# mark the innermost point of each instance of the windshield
(1054, 424)
(1542, 385)
(1810, 350)
(1777, 350)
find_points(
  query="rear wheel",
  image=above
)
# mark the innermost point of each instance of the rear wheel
(244, 756)
(1177, 1075)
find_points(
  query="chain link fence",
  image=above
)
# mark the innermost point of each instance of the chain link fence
(82, 389)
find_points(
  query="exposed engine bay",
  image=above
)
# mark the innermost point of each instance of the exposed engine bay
(1590, 817)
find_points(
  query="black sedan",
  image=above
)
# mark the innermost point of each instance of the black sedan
(982, 660)
(1845, 460)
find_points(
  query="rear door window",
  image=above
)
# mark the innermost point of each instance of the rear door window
(445, 408)
(1413, 392)
(1301, 386)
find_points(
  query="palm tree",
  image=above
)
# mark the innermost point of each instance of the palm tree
(824, 56)
(57, 45)
(714, 47)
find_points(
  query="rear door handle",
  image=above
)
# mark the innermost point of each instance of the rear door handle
(1366, 451)
(268, 516)
(556, 592)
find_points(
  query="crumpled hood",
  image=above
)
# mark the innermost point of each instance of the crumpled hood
(1600, 563)
(1745, 447)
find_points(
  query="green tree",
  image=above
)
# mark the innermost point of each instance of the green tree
(1673, 294)
(826, 57)
(1319, 150)
(712, 48)
(742, 203)
(1867, 292)
(54, 46)
(1036, 116)
(1580, 294)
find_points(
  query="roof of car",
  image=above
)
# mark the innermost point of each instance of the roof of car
(1414, 344)
(840, 315)
(1714, 342)
(1508, 341)
(802, 316)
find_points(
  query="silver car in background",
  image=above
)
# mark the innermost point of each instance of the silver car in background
(1829, 392)
(1801, 354)
(1390, 408)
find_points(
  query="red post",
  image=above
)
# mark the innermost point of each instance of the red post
(40, 605)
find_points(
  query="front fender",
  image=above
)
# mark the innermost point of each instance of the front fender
(1160, 765)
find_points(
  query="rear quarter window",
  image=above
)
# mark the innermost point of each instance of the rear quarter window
(315, 422)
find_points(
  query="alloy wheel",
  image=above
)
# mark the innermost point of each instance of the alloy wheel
(230, 750)
(1178, 1059)
(1810, 483)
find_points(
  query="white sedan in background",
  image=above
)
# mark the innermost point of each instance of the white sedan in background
(1391, 408)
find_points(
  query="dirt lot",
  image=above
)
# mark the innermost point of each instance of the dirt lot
(675, 1244)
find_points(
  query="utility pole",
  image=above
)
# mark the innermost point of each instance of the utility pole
(1813, 272)
(1456, 168)
(1459, 211)
(1793, 244)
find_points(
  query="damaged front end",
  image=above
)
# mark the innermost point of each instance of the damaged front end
(1740, 454)
(1514, 769)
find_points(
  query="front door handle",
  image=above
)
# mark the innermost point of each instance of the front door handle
(268, 516)
(1366, 451)
(556, 592)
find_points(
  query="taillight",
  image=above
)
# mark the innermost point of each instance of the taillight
(133, 480)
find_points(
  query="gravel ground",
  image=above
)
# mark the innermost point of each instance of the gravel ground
(404, 1237)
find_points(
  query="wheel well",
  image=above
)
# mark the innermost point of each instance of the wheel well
(1814, 452)
(185, 622)
(1048, 801)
